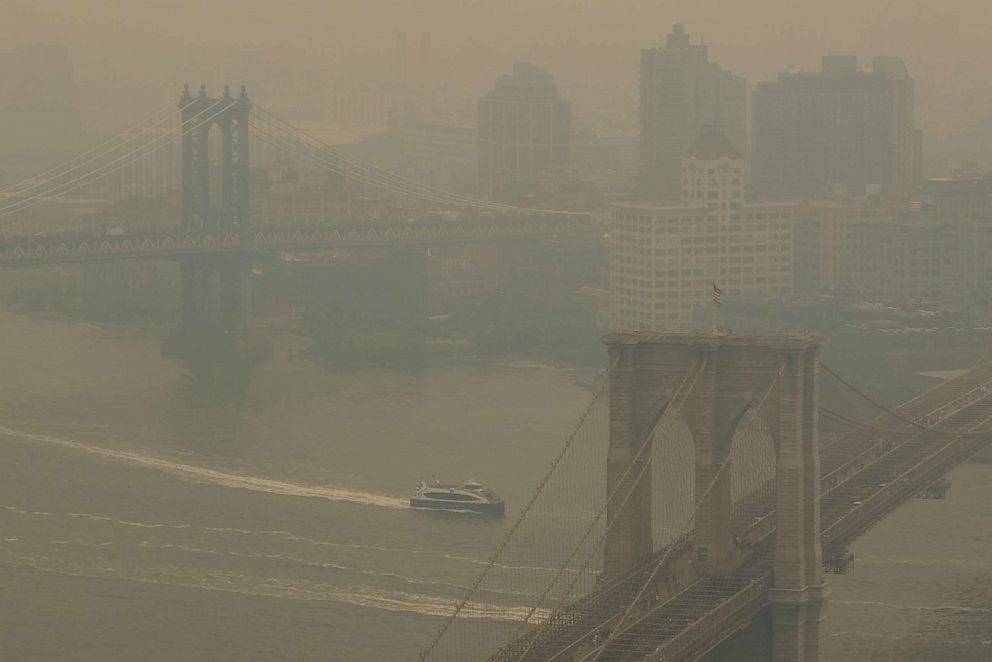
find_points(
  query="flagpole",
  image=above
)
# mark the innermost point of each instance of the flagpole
(717, 295)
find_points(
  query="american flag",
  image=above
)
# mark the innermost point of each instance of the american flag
(717, 294)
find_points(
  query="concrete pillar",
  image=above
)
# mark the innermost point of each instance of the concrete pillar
(227, 202)
(629, 541)
(790, 556)
(799, 594)
(788, 627)
(817, 590)
(186, 174)
(242, 161)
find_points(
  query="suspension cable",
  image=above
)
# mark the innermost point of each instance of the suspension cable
(523, 514)
(271, 118)
(323, 156)
(154, 121)
(314, 157)
(688, 526)
(370, 174)
(886, 409)
(128, 159)
(681, 396)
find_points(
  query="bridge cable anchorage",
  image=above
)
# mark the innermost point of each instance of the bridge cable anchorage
(614, 633)
(373, 175)
(153, 121)
(603, 389)
(129, 158)
(892, 412)
(666, 419)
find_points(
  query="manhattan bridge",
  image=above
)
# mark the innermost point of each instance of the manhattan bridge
(692, 513)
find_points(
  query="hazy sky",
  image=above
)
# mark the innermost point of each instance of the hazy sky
(588, 44)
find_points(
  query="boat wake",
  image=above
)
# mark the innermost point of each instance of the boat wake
(215, 477)
(364, 596)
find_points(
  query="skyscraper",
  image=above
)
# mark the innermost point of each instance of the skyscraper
(681, 92)
(524, 130)
(836, 126)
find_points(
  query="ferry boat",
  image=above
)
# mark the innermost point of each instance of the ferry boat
(469, 496)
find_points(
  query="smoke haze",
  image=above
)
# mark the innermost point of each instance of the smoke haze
(144, 50)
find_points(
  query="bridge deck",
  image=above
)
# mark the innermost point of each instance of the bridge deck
(76, 247)
(866, 476)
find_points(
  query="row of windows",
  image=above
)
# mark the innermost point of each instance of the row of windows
(647, 229)
(691, 168)
(748, 236)
(766, 289)
(644, 288)
(770, 262)
(712, 182)
(617, 216)
(708, 250)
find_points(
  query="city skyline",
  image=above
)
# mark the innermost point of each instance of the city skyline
(595, 65)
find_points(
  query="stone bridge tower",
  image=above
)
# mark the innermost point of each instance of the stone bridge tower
(230, 115)
(734, 373)
(214, 307)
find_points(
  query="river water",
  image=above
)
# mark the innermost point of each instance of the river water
(147, 515)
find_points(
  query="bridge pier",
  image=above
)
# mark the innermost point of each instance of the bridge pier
(214, 309)
(799, 592)
(629, 542)
(214, 306)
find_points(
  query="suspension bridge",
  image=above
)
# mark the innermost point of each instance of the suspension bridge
(693, 513)
(224, 182)
(692, 500)
(224, 175)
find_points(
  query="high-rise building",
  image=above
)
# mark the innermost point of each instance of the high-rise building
(681, 92)
(840, 125)
(524, 130)
(828, 230)
(666, 259)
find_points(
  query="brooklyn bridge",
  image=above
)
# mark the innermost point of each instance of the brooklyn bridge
(693, 513)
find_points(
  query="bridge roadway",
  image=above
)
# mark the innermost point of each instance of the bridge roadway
(691, 609)
(77, 247)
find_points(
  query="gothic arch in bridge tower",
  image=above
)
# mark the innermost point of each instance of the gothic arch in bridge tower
(672, 481)
(750, 400)
(230, 210)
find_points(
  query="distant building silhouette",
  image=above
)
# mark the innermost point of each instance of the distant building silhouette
(681, 91)
(524, 129)
(836, 126)
(930, 249)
